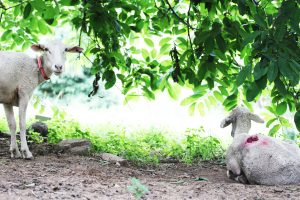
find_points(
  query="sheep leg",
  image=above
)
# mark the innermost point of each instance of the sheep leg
(9, 112)
(22, 118)
(241, 178)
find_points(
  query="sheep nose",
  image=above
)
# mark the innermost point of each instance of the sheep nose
(58, 67)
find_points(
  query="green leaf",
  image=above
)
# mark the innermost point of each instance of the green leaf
(286, 70)
(39, 5)
(17, 11)
(221, 43)
(218, 96)
(202, 71)
(42, 27)
(139, 25)
(131, 97)
(271, 109)
(69, 2)
(297, 119)
(295, 64)
(243, 75)
(145, 54)
(153, 53)
(270, 122)
(212, 100)
(259, 71)
(164, 41)
(274, 130)
(191, 99)
(252, 92)
(209, 45)
(50, 13)
(149, 42)
(250, 37)
(201, 37)
(280, 32)
(230, 102)
(182, 41)
(165, 48)
(148, 93)
(6, 35)
(173, 91)
(260, 20)
(280, 86)
(272, 71)
(281, 108)
(110, 78)
(285, 122)
(262, 82)
(201, 109)
(296, 72)
(50, 21)
(27, 10)
(192, 109)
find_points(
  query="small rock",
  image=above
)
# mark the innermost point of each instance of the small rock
(113, 159)
(75, 146)
(40, 128)
(278, 190)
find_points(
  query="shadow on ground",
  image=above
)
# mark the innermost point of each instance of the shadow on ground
(63, 176)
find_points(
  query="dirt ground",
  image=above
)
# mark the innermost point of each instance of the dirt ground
(78, 177)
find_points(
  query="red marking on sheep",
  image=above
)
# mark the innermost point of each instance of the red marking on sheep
(265, 142)
(252, 139)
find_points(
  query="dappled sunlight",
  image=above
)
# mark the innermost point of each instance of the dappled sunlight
(163, 113)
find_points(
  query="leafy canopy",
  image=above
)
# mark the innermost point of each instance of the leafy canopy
(228, 51)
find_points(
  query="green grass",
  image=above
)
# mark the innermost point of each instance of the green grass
(3, 125)
(140, 146)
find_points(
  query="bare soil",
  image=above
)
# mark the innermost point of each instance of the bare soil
(78, 177)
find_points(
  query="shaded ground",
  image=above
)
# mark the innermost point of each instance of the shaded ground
(76, 177)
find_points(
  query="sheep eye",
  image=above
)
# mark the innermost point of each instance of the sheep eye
(66, 49)
(47, 50)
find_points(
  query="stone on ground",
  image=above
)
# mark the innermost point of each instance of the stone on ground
(75, 146)
(113, 159)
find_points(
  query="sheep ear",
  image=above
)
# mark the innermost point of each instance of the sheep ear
(228, 120)
(38, 47)
(255, 118)
(75, 49)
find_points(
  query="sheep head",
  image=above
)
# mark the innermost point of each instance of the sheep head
(54, 55)
(240, 118)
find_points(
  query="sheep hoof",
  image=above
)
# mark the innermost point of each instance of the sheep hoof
(15, 153)
(26, 154)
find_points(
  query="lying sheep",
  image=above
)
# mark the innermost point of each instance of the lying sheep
(260, 159)
(19, 76)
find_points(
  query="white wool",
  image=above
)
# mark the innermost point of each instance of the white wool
(19, 76)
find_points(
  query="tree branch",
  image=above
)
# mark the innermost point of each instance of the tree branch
(7, 8)
(188, 28)
(180, 19)
(1, 15)
(56, 3)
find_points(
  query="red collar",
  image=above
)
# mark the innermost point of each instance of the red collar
(41, 68)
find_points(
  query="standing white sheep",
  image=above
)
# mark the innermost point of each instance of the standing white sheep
(260, 159)
(19, 76)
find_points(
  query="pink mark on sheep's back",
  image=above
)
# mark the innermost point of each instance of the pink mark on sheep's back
(252, 139)
(265, 142)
